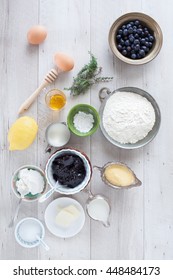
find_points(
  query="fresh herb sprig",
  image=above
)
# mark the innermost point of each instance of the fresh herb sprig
(86, 77)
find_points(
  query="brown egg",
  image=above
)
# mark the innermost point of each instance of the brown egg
(36, 34)
(63, 61)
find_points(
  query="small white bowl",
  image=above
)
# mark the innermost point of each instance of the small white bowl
(26, 232)
(63, 189)
(51, 212)
(15, 177)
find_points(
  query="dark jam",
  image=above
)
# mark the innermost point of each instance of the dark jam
(68, 170)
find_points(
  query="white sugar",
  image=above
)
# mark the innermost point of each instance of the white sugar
(83, 122)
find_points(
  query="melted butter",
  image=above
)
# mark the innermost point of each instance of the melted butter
(119, 175)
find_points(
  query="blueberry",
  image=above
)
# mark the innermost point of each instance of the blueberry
(136, 41)
(123, 26)
(130, 30)
(132, 23)
(125, 38)
(120, 32)
(125, 32)
(139, 31)
(133, 56)
(143, 34)
(128, 25)
(142, 41)
(133, 51)
(136, 36)
(150, 44)
(124, 52)
(122, 42)
(144, 48)
(147, 44)
(137, 22)
(137, 47)
(140, 26)
(146, 39)
(151, 38)
(138, 56)
(127, 43)
(146, 32)
(134, 28)
(119, 47)
(118, 37)
(142, 53)
(128, 48)
(131, 39)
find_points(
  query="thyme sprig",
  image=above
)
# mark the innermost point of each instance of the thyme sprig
(86, 77)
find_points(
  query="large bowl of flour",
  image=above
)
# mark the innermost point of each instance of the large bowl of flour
(130, 117)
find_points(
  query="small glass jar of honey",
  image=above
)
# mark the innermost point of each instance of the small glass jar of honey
(55, 99)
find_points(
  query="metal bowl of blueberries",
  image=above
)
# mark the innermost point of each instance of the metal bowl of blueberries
(135, 38)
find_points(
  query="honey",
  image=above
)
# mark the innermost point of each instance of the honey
(57, 102)
(55, 99)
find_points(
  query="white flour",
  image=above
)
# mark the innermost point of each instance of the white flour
(128, 117)
(83, 122)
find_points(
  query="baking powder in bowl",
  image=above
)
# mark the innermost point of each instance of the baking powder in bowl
(128, 117)
(83, 122)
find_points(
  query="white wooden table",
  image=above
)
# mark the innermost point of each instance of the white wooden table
(141, 218)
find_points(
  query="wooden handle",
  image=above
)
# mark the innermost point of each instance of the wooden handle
(27, 103)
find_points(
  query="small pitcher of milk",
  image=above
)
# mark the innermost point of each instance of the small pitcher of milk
(98, 208)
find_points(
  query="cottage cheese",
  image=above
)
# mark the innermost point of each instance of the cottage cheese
(30, 181)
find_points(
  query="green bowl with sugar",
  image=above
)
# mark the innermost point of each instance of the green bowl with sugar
(81, 117)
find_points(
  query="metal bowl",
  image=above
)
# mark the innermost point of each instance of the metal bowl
(150, 136)
(147, 21)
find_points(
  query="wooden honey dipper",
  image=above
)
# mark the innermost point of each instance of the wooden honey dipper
(64, 63)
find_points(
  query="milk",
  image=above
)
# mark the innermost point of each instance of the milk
(58, 134)
(99, 209)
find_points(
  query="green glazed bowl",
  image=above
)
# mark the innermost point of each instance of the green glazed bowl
(86, 109)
